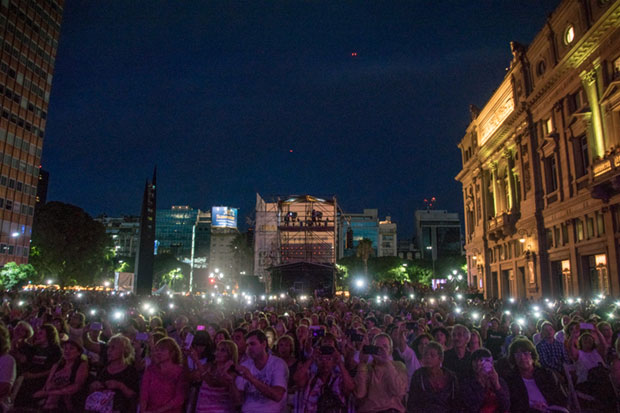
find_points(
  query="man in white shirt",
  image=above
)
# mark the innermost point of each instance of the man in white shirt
(263, 378)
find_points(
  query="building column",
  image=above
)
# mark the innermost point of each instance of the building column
(511, 180)
(496, 201)
(589, 81)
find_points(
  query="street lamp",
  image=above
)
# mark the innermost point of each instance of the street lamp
(360, 282)
(430, 248)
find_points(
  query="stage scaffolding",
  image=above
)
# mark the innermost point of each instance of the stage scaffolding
(297, 228)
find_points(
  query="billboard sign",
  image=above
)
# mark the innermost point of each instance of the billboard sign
(223, 217)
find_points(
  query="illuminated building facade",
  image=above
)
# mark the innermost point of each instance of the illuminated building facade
(125, 234)
(29, 32)
(541, 163)
(388, 241)
(174, 230)
(295, 230)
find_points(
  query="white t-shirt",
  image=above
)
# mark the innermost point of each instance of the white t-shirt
(7, 372)
(533, 392)
(585, 362)
(275, 373)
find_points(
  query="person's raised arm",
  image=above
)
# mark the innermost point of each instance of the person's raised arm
(601, 343)
(571, 347)
(275, 393)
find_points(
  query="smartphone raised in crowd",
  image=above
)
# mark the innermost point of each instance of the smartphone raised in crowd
(142, 336)
(369, 349)
(200, 328)
(189, 339)
(357, 337)
(586, 326)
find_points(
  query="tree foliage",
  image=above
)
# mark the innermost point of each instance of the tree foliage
(12, 275)
(166, 264)
(387, 269)
(69, 246)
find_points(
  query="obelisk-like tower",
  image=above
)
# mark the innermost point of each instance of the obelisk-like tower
(145, 255)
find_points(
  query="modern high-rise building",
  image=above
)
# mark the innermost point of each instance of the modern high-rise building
(354, 227)
(541, 163)
(438, 233)
(29, 32)
(174, 229)
(125, 234)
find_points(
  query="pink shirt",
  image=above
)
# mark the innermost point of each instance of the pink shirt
(164, 388)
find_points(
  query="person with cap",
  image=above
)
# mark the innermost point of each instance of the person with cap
(64, 387)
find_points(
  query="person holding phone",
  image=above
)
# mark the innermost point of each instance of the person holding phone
(327, 389)
(381, 384)
(263, 380)
(218, 380)
(484, 390)
(586, 350)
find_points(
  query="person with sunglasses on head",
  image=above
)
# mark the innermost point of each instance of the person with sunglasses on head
(532, 388)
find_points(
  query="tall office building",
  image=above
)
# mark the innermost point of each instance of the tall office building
(354, 227)
(29, 32)
(438, 233)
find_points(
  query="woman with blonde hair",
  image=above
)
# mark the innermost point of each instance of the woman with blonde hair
(164, 383)
(218, 380)
(119, 377)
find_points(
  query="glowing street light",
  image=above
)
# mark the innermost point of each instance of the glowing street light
(360, 282)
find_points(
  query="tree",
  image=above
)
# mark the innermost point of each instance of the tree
(164, 265)
(365, 251)
(386, 269)
(12, 274)
(69, 246)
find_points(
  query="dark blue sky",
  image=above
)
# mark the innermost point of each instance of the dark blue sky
(217, 93)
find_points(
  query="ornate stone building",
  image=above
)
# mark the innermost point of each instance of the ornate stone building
(541, 163)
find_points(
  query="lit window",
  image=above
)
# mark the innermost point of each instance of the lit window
(569, 34)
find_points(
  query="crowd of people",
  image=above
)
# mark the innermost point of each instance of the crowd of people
(434, 352)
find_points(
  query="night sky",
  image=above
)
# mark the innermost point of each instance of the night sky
(218, 94)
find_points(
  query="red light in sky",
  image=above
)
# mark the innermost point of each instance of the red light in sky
(354, 54)
(290, 150)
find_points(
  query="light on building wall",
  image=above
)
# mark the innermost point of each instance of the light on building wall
(566, 266)
(600, 260)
